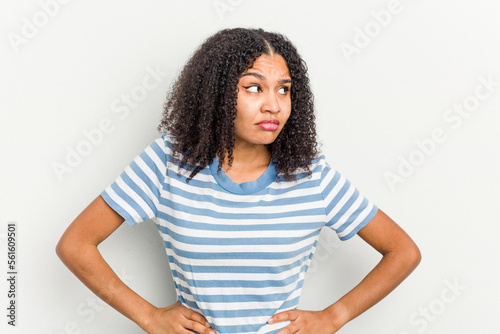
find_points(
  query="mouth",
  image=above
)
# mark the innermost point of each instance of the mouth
(269, 124)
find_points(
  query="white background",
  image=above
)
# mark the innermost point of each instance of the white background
(63, 78)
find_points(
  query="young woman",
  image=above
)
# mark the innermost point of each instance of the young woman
(239, 195)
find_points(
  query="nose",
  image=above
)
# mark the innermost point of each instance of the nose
(271, 103)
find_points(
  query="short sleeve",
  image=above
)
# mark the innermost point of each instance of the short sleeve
(135, 194)
(347, 210)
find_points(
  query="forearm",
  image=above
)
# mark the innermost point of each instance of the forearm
(90, 267)
(384, 278)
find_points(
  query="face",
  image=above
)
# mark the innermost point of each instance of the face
(263, 103)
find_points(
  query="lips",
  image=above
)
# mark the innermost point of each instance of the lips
(269, 124)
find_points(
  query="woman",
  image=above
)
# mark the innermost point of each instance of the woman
(239, 194)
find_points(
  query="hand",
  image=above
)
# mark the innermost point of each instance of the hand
(304, 322)
(177, 319)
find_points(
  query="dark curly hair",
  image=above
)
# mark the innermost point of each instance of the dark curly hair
(201, 106)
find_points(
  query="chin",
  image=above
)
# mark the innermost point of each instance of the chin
(260, 138)
(269, 141)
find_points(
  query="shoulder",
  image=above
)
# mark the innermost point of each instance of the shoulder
(167, 142)
(156, 155)
(315, 171)
(322, 171)
(171, 157)
(162, 146)
(319, 165)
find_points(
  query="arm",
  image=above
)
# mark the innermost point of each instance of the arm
(78, 251)
(400, 256)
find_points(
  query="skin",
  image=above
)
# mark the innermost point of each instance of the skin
(263, 93)
(77, 249)
(400, 256)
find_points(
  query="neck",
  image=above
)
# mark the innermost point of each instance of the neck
(249, 163)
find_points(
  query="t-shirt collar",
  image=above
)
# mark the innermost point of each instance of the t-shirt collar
(244, 188)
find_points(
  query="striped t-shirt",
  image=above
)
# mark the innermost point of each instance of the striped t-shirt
(238, 252)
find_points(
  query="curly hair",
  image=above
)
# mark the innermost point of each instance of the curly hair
(201, 107)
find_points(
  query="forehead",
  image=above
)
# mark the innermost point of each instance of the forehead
(270, 64)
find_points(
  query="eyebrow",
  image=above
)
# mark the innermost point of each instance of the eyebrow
(261, 77)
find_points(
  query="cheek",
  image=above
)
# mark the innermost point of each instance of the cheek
(241, 114)
(241, 120)
(244, 109)
(287, 111)
(287, 106)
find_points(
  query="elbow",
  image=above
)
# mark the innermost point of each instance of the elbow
(61, 249)
(65, 249)
(406, 258)
(413, 256)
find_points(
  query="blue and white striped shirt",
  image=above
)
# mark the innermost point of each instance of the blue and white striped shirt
(238, 252)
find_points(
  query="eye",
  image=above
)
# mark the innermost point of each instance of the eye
(252, 89)
(283, 90)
